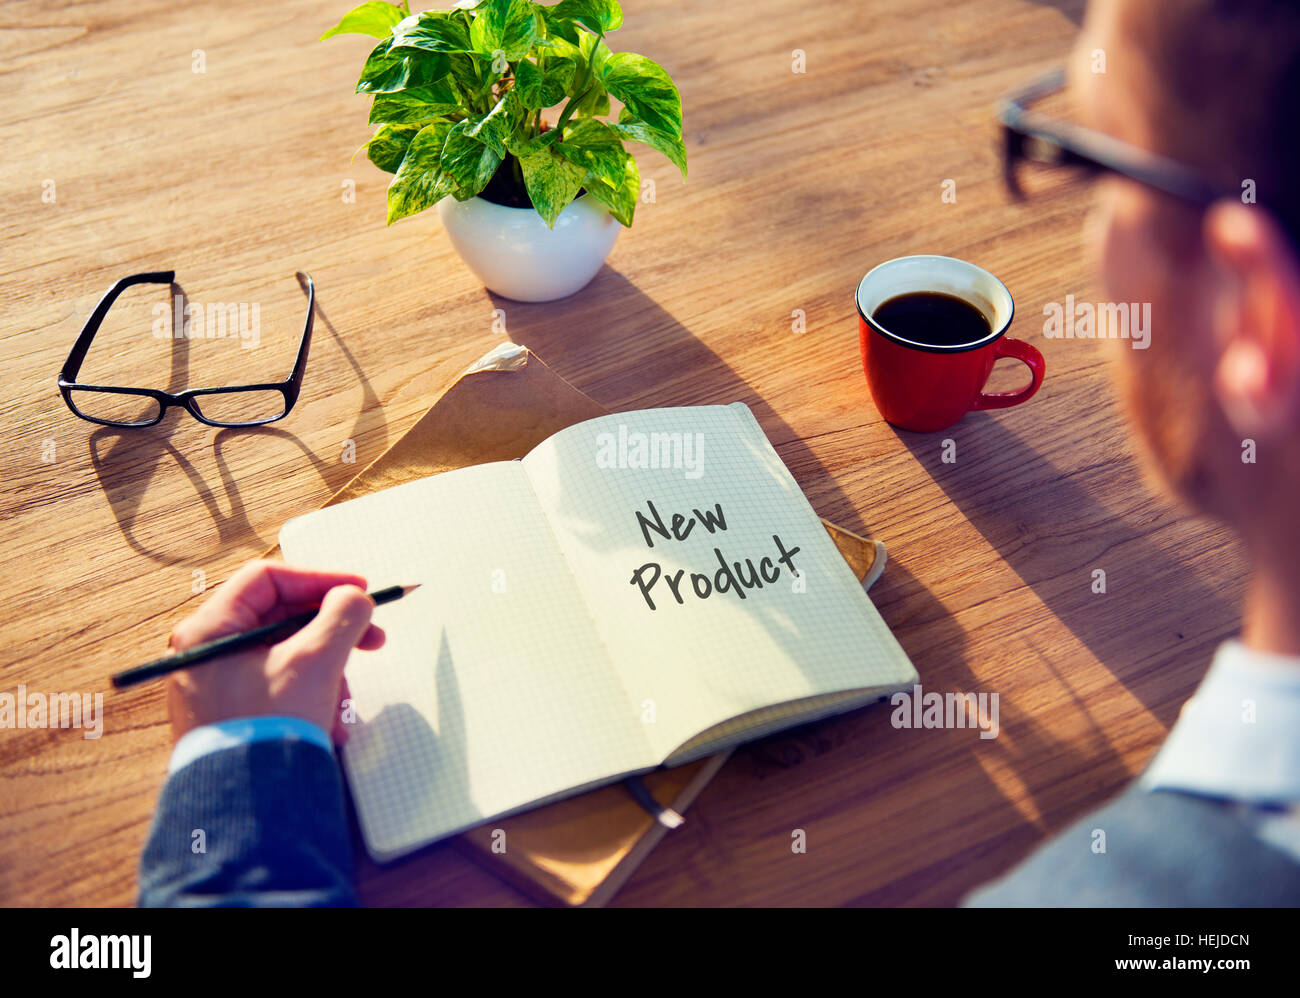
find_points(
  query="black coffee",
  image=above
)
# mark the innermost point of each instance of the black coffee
(933, 318)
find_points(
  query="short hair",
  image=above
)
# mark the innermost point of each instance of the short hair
(1230, 71)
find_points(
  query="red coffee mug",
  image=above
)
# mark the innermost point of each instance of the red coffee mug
(920, 386)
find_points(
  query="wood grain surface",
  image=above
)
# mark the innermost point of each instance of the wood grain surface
(238, 176)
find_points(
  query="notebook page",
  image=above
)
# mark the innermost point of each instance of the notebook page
(693, 663)
(493, 689)
(766, 720)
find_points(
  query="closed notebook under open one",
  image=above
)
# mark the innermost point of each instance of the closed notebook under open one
(643, 588)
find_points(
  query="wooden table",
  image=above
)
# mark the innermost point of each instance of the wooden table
(239, 175)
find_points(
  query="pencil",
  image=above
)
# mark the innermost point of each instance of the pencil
(266, 635)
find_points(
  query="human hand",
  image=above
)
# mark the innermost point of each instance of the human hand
(301, 676)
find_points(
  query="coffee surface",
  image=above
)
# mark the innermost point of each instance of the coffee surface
(933, 318)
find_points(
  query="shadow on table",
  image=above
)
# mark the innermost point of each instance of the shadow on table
(584, 338)
(918, 786)
(126, 461)
(1072, 9)
(1023, 531)
(586, 333)
(1056, 557)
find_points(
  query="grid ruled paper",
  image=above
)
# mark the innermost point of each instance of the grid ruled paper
(690, 665)
(493, 689)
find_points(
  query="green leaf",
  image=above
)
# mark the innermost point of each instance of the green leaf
(388, 146)
(551, 181)
(496, 127)
(519, 146)
(529, 85)
(507, 26)
(433, 31)
(597, 53)
(645, 89)
(590, 49)
(415, 105)
(671, 146)
(560, 72)
(465, 71)
(469, 162)
(538, 89)
(379, 68)
(387, 72)
(594, 146)
(598, 15)
(620, 201)
(420, 183)
(595, 104)
(576, 52)
(372, 18)
(557, 27)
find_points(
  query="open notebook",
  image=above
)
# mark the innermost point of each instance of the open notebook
(643, 588)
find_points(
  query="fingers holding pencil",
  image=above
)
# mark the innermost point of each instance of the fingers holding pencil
(300, 676)
(262, 592)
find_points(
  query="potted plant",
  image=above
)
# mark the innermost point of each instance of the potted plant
(461, 98)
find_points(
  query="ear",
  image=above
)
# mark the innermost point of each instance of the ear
(1255, 318)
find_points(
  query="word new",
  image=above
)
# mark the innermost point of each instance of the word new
(730, 577)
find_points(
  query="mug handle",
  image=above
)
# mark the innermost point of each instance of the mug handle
(1031, 358)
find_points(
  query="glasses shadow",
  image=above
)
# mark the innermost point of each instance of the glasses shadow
(370, 419)
(128, 461)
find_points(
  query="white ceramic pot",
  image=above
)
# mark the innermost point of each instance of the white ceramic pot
(514, 254)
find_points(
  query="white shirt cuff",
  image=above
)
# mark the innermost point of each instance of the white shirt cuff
(243, 731)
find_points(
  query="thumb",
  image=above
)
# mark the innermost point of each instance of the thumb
(327, 641)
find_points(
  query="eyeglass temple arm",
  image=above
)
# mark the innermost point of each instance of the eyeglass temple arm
(1040, 86)
(1093, 149)
(1011, 112)
(300, 364)
(88, 331)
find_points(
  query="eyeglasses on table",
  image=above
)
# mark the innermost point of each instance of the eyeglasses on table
(134, 406)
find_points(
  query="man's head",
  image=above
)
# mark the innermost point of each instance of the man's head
(1213, 84)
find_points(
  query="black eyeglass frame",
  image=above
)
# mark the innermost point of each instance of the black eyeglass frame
(1038, 137)
(67, 382)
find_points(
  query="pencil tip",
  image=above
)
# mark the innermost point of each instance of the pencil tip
(407, 590)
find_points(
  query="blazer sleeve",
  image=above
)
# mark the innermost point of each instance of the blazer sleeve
(254, 825)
